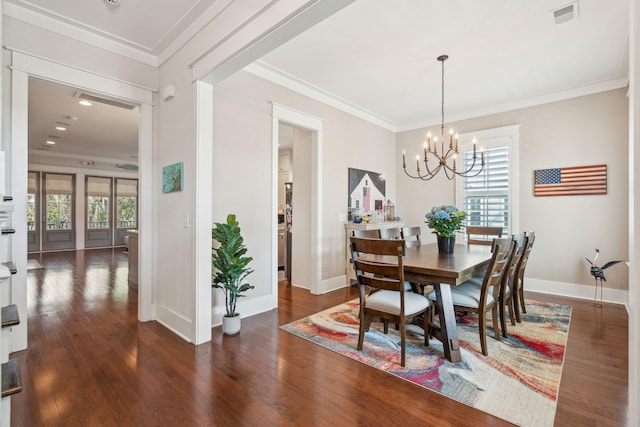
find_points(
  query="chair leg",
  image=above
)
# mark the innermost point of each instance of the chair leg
(503, 321)
(524, 309)
(512, 314)
(426, 318)
(515, 302)
(483, 334)
(496, 325)
(385, 324)
(403, 338)
(365, 323)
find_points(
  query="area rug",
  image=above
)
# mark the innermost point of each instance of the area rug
(517, 382)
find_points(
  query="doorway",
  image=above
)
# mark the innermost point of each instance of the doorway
(309, 253)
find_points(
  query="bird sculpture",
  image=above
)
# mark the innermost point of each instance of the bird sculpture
(598, 273)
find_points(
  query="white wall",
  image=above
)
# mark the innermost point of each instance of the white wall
(581, 131)
(242, 167)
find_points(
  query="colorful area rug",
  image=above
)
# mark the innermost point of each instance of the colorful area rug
(517, 382)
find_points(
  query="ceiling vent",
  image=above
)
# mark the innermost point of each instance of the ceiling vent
(127, 167)
(105, 101)
(566, 13)
(113, 2)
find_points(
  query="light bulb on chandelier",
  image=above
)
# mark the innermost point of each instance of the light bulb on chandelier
(430, 148)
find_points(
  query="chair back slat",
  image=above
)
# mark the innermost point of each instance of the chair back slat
(411, 236)
(370, 234)
(390, 233)
(482, 235)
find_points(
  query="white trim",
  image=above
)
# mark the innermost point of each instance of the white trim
(81, 32)
(81, 79)
(574, 290)
(175, 322)
(523, 103)
(288, 81)
(24, 66)
(246, 308)
(19, 172)
(203, 212)
(498, 137)
(315, 125)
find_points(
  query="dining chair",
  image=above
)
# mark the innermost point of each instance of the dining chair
(411, 236)
(381, 286)
(482, 235)
(390, 233)
(509, 285)
(468, 297)
(519, 298)
(369, 234)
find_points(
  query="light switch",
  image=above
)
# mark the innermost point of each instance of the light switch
(186, 221)
(342, 217)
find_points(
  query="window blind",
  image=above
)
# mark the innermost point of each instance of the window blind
(486, 195)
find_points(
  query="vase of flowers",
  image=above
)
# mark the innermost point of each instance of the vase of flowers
(445, 220)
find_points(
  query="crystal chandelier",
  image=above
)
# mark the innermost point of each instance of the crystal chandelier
(442, 157)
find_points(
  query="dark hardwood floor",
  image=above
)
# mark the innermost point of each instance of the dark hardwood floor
(91, 363)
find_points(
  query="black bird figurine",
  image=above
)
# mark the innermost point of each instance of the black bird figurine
(598, 273)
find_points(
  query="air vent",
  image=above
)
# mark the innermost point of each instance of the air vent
(128, 167)
(105, 101)
(565, 13)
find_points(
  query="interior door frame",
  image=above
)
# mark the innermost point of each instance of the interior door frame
(37, 231)
(24, 66)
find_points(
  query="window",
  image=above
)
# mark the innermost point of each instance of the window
(490, 198)
(127, 203)
(98, 202)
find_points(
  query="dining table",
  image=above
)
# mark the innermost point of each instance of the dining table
(425, 264)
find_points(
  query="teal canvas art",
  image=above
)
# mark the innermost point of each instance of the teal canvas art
(172, 178)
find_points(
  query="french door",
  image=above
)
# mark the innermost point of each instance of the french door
(111, 210)
(58, 207)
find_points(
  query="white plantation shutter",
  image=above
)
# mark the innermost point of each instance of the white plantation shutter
(486, 196)
(491, 198)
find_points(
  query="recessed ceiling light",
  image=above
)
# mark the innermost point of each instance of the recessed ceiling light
(51, 142)
(61, 128)
(85, 103)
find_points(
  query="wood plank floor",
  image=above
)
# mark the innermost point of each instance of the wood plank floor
(91, 363)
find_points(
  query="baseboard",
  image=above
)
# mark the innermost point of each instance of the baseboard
(246, 308)
(574, 290)
(332, 284)
(173, 321)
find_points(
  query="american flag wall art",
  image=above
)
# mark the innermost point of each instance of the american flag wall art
(572, 181)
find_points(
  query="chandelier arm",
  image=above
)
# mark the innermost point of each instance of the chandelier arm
(443, 158)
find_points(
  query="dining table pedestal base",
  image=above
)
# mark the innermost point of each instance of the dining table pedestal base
(446, 331)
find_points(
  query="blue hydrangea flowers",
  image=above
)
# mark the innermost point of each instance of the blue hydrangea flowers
(445, 220)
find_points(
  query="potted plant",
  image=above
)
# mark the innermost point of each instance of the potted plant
(445, 220)
(231, 264)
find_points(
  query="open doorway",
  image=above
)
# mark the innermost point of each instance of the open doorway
(306, 260)
(294, 204)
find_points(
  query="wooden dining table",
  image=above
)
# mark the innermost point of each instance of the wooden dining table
(424, 264)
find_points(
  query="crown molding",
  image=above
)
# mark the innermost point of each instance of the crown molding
(523, 103)
(279, 77)
(83, 35)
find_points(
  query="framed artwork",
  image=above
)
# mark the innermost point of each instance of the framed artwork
(366, 192)
(172, 178)
(570, 181)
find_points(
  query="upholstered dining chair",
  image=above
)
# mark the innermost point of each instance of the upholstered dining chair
(468, 297)
(482, 235)
(390, 233)
(519, 291)
(381, 287)
(370, 234)
(411, 236)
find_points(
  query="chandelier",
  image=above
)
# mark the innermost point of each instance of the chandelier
(442, 157)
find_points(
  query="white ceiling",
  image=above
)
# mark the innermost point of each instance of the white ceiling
(376, 58)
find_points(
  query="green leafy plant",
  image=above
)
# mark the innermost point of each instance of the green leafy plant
(445, 220)
(230, 263)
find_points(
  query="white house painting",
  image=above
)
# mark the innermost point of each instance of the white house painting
(366, 192)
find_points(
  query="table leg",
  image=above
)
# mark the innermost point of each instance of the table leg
(448, 328)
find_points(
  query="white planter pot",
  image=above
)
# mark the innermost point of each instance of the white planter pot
(231, 325)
